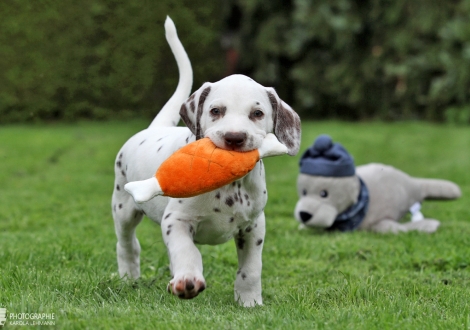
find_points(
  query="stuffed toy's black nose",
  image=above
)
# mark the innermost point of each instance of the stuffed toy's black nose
(305, 216)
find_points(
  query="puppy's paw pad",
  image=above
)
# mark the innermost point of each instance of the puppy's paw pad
(186, 287)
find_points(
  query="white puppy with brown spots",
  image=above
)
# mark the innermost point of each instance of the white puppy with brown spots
(236, 113)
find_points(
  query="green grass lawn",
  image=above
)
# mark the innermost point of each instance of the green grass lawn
(57, 242)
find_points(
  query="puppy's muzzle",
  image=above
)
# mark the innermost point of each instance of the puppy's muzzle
(234, 139)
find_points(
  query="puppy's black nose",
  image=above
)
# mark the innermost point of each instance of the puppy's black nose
(234, 139)
(305, 216)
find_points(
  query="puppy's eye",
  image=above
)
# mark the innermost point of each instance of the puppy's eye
(258, 113)
(304, 192)
(215, 111)
(323, 193)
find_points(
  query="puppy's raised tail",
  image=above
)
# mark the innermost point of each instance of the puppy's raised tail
(169, 114)
(439, 189)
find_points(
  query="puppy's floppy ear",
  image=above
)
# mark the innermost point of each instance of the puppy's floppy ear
(286, 123)
(191, 110)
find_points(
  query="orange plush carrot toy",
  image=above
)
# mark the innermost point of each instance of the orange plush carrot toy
(200, 167)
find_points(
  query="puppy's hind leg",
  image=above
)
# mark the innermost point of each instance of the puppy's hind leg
(126, 218)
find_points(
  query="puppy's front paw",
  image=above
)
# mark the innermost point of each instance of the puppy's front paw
(186, 286)
(250, 299)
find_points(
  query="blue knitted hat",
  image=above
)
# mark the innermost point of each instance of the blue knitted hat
(326, 158)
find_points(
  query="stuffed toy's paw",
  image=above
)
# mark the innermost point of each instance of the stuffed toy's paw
(200, 167)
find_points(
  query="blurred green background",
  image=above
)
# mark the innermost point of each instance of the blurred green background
(344, 59)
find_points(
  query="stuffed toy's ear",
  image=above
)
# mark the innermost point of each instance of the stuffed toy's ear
(191, 110)
(286, 123)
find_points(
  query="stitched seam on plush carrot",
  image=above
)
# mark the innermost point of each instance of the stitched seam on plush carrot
(209, 161)
(192, 158)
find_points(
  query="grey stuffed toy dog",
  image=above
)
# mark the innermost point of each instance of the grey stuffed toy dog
(337, 196)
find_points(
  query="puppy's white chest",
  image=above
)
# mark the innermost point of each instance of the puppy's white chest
(232, 208)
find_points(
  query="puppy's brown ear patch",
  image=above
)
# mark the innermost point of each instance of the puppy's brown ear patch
(185, 117)
(286, 123)
(200, 109)
(192, 116)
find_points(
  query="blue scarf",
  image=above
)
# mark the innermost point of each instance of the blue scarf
(352, 217)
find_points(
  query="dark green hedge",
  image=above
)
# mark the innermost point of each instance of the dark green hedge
(97, 58)
(351, 59)
(362, 58)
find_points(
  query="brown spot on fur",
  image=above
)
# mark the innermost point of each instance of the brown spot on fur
(184, 115)
(118, 188)
(243, 276)
(118, 164)
(273, 101)
(217, 195)
(231, 219)
(229, 201)
(192, 106)
(167, 216)
(200, 107)
(168, 232)
(258, 242)
(216, 210)
(248, 229)
(240, 240)
(120, 206)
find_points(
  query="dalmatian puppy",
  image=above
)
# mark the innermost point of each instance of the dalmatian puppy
(236, 113)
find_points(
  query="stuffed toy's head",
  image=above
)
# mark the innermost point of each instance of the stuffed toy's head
(327, 184)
